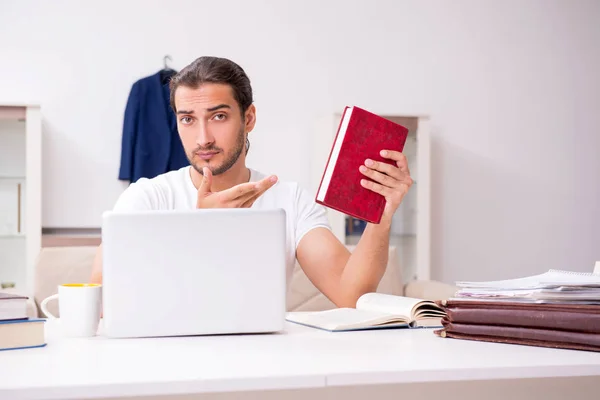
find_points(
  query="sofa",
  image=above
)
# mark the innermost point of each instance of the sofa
(57, 265)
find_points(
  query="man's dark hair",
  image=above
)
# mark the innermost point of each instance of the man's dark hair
(214, 70)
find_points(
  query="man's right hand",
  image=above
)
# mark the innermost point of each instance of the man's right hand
(239, 196)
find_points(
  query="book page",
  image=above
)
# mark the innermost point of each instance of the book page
(406, 307)
(342, 318)
(387, 303)
(334, 153)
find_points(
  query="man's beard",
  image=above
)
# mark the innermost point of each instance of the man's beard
(229, 161)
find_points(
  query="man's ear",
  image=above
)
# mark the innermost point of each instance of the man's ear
(250, 118)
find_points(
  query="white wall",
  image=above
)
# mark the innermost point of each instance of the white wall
(512, 87)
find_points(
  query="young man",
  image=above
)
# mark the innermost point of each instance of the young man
(212, 98)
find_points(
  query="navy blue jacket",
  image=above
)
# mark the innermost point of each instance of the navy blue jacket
(150, 144)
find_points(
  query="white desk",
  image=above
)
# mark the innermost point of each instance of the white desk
(300, 363)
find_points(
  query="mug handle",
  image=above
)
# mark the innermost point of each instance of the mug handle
(43, 306)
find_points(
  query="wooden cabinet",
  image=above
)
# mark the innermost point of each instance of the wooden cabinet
(20, 194)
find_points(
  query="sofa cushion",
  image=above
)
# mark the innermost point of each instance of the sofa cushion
(58, 265)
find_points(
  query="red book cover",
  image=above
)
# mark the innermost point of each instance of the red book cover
(361, 135)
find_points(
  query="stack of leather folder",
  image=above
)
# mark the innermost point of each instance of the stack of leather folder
(559, 309)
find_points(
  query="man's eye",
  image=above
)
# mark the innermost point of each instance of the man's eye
(185, 120)
(220, 117)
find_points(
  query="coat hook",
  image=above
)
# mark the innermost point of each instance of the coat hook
(165, 60)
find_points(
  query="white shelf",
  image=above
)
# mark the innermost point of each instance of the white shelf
(12, 235)
(20, 193)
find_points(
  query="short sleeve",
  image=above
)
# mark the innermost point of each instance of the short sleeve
(134, 198)
(309, 215)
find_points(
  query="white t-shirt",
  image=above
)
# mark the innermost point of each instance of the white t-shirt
(175, 190)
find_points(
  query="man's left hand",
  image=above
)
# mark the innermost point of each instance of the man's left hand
(391, 181)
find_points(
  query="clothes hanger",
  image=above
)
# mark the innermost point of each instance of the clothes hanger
(167, 72)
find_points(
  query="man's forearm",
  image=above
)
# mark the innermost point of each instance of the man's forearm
(367, 264)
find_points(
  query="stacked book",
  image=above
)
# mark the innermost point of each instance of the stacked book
(559, 309)
(17, 330)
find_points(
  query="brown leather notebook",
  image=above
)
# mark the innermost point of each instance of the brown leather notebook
(522, 336)
(566, 317)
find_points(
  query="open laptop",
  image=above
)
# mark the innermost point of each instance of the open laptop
(172, 273)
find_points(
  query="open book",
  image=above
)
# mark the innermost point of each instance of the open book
(374, 311)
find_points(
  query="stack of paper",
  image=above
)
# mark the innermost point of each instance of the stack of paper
(553, 286)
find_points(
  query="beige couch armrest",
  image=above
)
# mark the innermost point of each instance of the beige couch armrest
(58, 265)
(429, 290)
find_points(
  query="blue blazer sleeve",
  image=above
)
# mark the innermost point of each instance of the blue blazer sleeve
(130, 127)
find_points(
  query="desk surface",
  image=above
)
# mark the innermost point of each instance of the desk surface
(300, 357)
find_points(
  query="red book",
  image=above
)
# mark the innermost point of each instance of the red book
(361, 135)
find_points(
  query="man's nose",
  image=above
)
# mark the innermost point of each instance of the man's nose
(204, 138)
